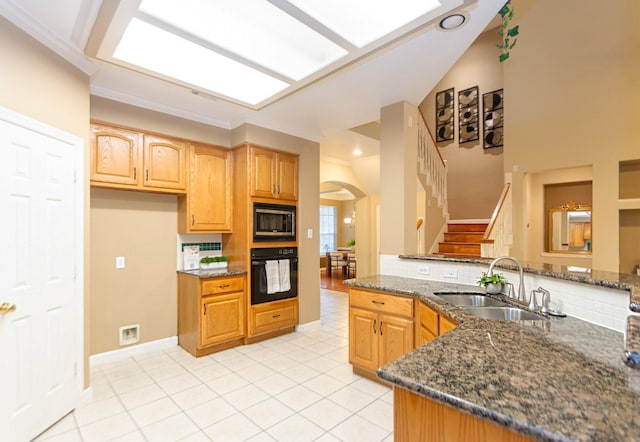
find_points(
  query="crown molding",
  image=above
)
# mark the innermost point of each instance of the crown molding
(17, 15)
(133, 100)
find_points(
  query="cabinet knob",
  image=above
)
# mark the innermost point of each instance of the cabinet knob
(7, 307)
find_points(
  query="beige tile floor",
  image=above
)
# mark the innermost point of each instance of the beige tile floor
(297, 387)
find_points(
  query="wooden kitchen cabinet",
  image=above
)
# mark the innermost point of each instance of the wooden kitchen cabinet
(272, 318)
(417, 418)
(207, 207)
(431, 323)
(274, 174)
(210, 313)
(124, 158)
(380, 329)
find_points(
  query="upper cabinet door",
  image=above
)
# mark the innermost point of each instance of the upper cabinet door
(210, 190)
(274, 174)
(287, 177)
(263, 178)
(164, 163)
(115, 155)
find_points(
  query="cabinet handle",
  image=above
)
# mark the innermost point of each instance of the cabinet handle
(375, 332)
(275, 316)
(378, 302)
(223, 286)
(193, 220)
(278, 189)
(274, 189)
(380, 328)
(205, 308)
(135, 173)
(147, 175)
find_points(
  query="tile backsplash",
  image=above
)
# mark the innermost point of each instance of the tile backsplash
(210, 245)
(599, 305)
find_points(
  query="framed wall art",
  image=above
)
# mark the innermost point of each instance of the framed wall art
(468, 115)
(444, 115)
(493, 118)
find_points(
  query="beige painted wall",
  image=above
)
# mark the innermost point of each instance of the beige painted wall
(571, 88)
(629, 240)
(398, 188)
(308, 203)
(39, 84)
(474, 176)
(141, 227)
(123, 114)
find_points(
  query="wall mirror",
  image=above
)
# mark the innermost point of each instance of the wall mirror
(569, 229)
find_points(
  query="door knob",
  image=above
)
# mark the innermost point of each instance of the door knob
(5, 308)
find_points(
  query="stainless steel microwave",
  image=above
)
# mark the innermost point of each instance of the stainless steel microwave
(274, 222)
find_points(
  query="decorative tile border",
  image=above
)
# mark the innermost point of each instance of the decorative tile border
(204, 246)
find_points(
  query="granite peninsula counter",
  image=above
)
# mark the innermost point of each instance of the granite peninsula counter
(555, 380)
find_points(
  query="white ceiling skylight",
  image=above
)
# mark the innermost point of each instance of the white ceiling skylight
(364, 21)
(159, 51)
(252, 29)
(253, 52)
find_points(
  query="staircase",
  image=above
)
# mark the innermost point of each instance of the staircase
(462, 240)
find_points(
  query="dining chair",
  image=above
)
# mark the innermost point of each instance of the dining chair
(351, 265)
(337, 262)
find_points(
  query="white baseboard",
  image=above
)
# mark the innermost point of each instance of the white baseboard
(314, 325)
(122, 353)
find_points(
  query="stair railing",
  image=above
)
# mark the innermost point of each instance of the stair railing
(431, 163)
(498, 237)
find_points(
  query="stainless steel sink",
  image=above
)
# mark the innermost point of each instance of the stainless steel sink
(469, 299)
(503, 313)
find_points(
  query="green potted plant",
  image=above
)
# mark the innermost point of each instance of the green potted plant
(214, 262)
(351, 243)
(492, 283)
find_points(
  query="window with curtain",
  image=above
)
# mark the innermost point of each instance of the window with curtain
(328, 229)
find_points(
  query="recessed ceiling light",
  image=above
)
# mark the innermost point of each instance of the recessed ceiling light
(453, 21)
(357, 152)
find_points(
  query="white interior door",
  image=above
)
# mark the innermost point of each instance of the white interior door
(41, 237)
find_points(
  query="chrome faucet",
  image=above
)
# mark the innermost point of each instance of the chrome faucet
(546, 299)
(521, 290)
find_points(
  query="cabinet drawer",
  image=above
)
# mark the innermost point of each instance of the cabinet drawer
(429, 319)
(223, 285)
(380, 302)
(266, 317)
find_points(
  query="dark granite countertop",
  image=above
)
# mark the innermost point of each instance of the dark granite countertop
(613, 280)
(555, 380)
(214, 273)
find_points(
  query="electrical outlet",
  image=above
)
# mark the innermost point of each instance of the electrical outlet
(450, 273)
(424, 270)
(119, 262)
(129, 334)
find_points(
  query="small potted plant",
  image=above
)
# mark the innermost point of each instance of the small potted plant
(214, 262)
(351, 243)
(492, 283)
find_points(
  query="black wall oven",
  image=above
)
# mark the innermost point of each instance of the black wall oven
(274, 222)
(274, 274)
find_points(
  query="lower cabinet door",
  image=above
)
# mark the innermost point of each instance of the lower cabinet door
(221, 318)
(396, 338)
(363, 338)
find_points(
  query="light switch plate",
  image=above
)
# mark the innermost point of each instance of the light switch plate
(119, 262)
(309, 233)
